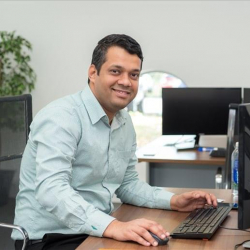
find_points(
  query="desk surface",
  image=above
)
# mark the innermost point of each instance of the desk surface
(158, 152)
(223, 239)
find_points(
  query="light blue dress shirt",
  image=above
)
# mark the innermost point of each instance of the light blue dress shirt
(73, 164)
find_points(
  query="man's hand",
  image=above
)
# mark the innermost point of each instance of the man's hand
(191, 200)
(135, 230)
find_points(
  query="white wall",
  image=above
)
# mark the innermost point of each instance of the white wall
(206, 43)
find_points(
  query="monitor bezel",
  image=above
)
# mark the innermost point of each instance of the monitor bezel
(166, 128)
(243, 195)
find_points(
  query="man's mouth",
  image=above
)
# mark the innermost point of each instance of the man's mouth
(122, 92)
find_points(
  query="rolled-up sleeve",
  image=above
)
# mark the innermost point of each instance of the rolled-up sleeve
(56, 134)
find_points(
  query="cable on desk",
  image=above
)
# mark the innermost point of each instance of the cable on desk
(238, 245)
(174, 143)
(179, 141)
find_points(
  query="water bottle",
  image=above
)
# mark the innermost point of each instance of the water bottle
(235, 169)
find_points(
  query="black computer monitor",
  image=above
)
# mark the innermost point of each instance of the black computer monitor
(197, 110)
(244, 166)
(246, 95)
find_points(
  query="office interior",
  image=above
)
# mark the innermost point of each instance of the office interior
(204, 42)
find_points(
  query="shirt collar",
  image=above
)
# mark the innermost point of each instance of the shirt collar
(96, 111)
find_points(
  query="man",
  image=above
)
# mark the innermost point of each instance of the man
(81, 150)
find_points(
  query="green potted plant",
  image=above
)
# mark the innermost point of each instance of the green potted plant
(16, 75)
(16, 78)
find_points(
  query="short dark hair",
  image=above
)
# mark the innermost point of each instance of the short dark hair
(119, 40)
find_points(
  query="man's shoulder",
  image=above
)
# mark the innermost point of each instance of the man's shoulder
(61, 107)
(69, 101)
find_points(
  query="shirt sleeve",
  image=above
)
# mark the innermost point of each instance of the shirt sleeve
(56, 133)
(140, 193)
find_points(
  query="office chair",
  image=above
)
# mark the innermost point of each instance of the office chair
(232, 138)
(15, 119)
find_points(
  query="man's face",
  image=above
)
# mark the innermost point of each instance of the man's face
(117, 83)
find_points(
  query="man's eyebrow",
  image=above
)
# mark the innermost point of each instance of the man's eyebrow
(120, 67)
(116, 66)
(136, 70)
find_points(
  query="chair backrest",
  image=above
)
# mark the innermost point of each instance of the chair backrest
(232, 138)
(15, 119)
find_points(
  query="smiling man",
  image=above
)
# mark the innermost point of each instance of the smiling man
(81, 151)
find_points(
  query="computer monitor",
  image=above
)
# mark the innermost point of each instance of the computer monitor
(246, 95)
(244, 167)
(197, 110)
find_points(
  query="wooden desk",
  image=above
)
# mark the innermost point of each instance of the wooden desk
(166, 164)
(158, 152)
(171, 155)
(223, 239)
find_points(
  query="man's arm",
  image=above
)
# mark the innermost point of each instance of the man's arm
(139, 193)
(137, 230)
(136, 192)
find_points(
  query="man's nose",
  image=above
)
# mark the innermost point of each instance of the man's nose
(124, 80)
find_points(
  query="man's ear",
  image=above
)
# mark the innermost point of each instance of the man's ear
(92, 73)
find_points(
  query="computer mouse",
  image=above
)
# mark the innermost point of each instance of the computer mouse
(160, 241)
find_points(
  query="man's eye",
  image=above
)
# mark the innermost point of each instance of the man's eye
(135, 76)
(114, 71)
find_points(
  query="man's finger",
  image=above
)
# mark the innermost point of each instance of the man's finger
(138, 238)
(213, 200)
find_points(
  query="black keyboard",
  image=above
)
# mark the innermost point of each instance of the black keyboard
(201, 223)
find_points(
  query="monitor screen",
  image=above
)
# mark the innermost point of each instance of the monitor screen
(197, 110)
(246, 95)
(244, 167)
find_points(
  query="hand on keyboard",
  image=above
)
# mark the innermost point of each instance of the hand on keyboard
(190, 201)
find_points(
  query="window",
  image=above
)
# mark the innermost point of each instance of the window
(146, 108)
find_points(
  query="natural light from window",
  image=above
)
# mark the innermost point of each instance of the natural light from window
(146, 108)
